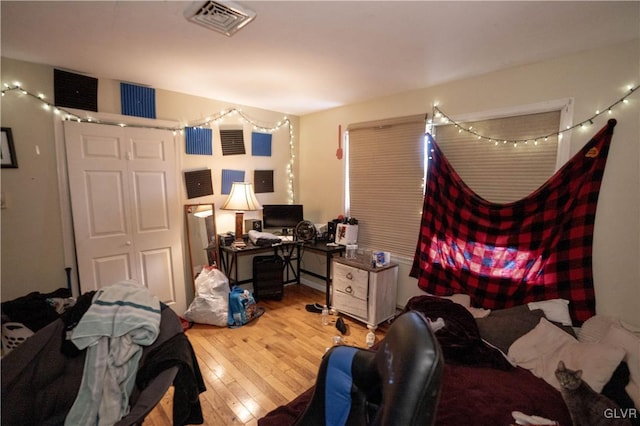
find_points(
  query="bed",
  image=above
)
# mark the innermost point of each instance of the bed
(482, 386)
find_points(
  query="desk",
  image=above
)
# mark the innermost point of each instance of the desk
(329, 251)
(288, 250)
(291, 251)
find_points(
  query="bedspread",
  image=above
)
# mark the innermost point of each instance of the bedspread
(486, 396)
(459, 338)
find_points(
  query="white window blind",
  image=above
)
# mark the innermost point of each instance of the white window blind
(386, 172)
(501, 172)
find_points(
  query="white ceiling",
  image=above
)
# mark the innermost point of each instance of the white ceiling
(299, 57)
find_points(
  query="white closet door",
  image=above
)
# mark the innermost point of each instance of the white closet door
(126, 210)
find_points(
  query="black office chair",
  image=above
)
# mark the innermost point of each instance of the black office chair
(398, 384)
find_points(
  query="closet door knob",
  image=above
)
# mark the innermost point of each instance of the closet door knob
(349, 276)
(348, 290)
(128, 243)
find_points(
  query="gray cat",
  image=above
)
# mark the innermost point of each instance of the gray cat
(586, 406)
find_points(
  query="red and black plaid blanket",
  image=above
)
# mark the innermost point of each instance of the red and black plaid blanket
(504, 255)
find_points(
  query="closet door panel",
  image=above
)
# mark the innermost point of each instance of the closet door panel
(105, 203)
(151, 202)
(111, 269)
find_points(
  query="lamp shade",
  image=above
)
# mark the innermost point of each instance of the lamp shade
(242, 198)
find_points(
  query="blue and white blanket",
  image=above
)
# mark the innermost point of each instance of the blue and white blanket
(122, 318)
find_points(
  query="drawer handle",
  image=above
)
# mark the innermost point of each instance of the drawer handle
(349, 276)
(348, 290)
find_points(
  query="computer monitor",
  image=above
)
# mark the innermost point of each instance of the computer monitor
(283, 216)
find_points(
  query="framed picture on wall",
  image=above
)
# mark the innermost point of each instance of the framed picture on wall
(8, 152)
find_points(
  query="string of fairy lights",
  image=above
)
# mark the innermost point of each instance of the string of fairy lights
(438, 114)
(67, 115)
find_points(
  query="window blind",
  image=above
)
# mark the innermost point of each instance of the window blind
(503, 172)
(386, 172)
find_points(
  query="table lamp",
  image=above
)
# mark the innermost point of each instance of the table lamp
(241, 199)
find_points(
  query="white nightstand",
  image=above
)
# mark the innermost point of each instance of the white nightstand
(363, 292)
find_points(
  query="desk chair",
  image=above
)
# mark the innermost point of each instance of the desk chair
(398, 384)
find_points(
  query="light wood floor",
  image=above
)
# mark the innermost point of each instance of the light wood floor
(251, 370)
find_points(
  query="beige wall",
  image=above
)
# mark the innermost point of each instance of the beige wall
(32, 256)
(32, 224)
(594, 79)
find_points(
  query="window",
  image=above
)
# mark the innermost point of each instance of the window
(497, 171)
(385, 178)
(386, 166)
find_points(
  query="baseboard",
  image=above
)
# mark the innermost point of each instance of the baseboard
(312, 284)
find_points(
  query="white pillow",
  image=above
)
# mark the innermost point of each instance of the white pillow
(540, 350)
(618, 337)
(595, 328)
(556, 310)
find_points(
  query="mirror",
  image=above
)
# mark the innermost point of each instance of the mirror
(200, 221)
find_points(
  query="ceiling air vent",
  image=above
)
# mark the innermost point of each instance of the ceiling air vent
(226, 17)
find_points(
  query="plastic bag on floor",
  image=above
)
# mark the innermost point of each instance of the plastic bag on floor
(242, 307)
(211, 303)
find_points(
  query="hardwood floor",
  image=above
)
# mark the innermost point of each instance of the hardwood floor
(251, 370)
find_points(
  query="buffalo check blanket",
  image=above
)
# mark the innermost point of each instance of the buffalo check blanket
(504, 255)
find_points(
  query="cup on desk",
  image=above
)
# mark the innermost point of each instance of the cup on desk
(351, 251)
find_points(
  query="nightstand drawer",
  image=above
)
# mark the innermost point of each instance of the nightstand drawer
(351, 281)
(346, 303)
